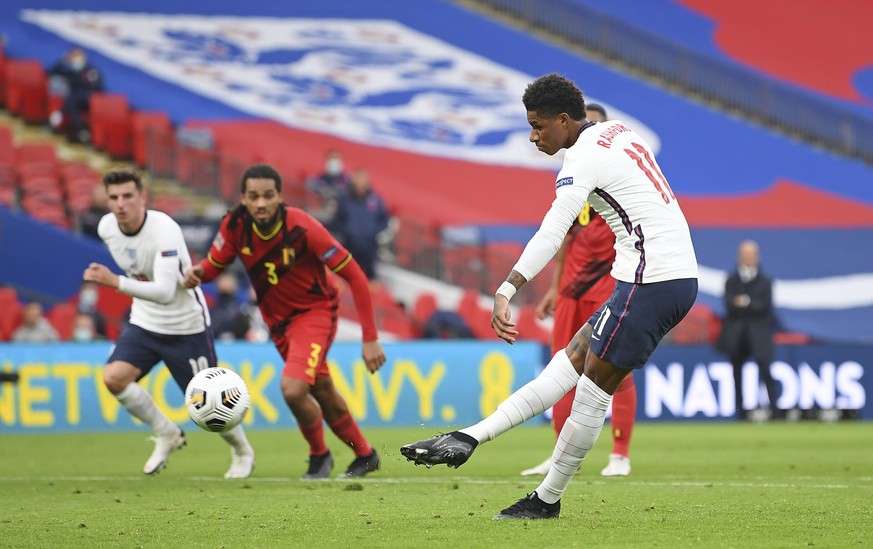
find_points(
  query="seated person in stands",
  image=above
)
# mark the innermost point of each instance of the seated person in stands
(327, 186)
(84, 330)
(87, 305)
(35, 328)
(229, 322)
(90, 217)
(74, 79)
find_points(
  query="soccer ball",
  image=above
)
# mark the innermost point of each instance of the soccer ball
(217, 399)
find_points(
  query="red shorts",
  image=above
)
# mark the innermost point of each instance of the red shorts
(570, 315)
(305, 342)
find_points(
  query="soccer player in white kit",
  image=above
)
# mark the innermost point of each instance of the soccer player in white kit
(167, 321)
(613, 168)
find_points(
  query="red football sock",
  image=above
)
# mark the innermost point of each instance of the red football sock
(314, 435)
(561, 411)
(624, 411)
(346, 429)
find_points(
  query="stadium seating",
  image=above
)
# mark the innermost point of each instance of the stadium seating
(27, 90)
(111, 124)
(61, 317)
(152, 134)
(10, 312)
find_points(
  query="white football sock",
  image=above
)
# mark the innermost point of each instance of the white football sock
(236, 437)
(139, 403)
(558, 378)
(578, 436)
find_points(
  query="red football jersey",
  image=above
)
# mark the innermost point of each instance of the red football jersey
(287, 266)
(588, 260)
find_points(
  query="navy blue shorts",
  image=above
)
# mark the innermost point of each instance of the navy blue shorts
(184, 355)
(635, 318)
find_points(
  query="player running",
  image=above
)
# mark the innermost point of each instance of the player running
(285, 251)
(167, 321)
(655, 268)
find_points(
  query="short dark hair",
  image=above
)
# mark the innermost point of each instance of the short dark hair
(119, 176)
(553, 94)
(261, 171)
(597, 107)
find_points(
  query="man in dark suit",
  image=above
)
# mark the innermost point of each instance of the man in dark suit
(747, 329)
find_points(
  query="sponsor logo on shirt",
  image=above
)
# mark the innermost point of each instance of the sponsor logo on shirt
(330, 253)
(169, 253)
(563, 181)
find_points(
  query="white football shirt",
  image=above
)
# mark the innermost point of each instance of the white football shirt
(614, 169)
(154, 260)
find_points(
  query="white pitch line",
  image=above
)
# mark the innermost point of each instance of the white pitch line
(440, 480)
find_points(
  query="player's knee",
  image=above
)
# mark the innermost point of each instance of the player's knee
(117, 378)
(294, 390)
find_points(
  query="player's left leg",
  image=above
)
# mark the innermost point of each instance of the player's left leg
(185, 356)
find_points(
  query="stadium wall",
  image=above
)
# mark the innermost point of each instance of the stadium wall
(423, 384)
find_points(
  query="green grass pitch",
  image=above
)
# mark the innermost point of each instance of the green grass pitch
(804, 484)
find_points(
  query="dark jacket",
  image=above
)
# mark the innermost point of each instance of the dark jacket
(748, 330)
(359, 219)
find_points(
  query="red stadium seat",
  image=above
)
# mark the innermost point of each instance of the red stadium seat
(61, 316)
(33, 153)
(464, 266)
(27, 90)
(111, 124)
(149, 129)
(424, 307)
(477, 317)
(529, 327)
(10, 319)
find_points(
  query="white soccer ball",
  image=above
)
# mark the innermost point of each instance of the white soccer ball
(217, 399)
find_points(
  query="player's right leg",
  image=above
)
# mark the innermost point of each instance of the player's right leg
(131, 359)
(455, 448)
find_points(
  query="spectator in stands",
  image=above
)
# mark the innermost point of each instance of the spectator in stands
(747, 329)
(74, 79)
(360, 216)
(334, 179)
(90, 217)
(258, 331)
(229, 322)
(87, 305)
(328, 186)
(35, 328)
(84, 329)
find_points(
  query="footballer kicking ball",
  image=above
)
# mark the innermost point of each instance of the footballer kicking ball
(217, 399)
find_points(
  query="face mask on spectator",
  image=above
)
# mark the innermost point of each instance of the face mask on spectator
(333, 167)
(82, 335)
(77, 63)
(87, 299)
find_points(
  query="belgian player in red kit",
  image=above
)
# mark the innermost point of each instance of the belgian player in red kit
(286, 253)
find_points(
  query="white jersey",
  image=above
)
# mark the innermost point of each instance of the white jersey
(154, 260)
(614, 169)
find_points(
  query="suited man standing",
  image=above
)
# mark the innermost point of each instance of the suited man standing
(747, 328)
